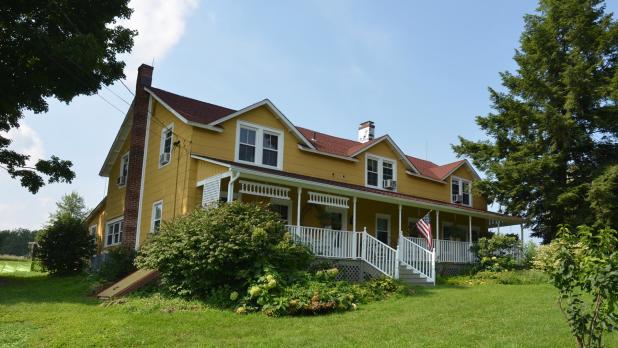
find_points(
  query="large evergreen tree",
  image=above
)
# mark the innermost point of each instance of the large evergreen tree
(555, 124)
(58, 49)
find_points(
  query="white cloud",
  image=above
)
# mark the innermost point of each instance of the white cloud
(27, 141)
(160, 25)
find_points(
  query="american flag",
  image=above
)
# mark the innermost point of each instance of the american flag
(424, 226)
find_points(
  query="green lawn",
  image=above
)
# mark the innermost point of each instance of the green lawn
(13, 266)
(42, 311)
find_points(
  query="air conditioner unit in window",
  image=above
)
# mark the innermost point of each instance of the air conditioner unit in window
(122, 180)
(457, 198)
(164, 158)
(389, 184)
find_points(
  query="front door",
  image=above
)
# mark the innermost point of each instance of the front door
(383, 228)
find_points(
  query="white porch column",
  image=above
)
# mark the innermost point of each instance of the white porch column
(498, 226)
(521, 233)
(354, 214)
(470, 228)
(400, 217)
(230, 186)
(298, 202)
(354, 234)
(437, 233)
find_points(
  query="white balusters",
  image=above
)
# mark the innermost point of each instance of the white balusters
(417, 257)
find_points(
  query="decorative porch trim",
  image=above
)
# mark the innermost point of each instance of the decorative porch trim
(264, 190)
(326, 199)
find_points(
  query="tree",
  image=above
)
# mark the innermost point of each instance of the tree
(15, 242)
(585, 271)
(554, 127)
(71, 205)
(65, 246)
(603, 197)
(57, 49)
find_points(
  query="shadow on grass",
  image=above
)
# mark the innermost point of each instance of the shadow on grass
(42, 288)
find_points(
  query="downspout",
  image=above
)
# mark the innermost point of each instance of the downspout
(230, 186)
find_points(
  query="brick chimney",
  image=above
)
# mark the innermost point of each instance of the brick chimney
(366, 131)
(136, 155)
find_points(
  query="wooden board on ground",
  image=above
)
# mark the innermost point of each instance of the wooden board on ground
(129, 283)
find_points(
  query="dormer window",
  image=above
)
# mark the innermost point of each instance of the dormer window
(381, 173)
(259, 145)
(461, 191)
(165, 151)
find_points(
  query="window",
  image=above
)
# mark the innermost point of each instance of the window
(282, 207)
(124, 170)
(247, 145)
(381, 172)
(165, 151)
(113, 232)
(372, 172)
(383, 228)
(157, 214)
(461, 191)
(259, 145)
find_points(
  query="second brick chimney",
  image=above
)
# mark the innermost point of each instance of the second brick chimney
(136, 155)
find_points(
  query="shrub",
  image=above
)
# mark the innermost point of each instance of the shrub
(496, 253)
(118, 264)
(517, 277)
(224, 246)
(545, 258)
(65, 246)
(317, 293)
(586, 275)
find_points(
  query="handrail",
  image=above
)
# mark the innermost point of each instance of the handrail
(417, 257)
(326, 242)
(448, 250)
(380, 256)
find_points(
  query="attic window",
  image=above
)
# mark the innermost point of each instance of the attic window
(259, 145)
(124, 170)
(381, 172)
(165, 151)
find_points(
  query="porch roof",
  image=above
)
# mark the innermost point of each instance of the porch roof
(294, 179)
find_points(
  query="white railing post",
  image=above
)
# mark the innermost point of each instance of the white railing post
(433, 266)
(364, 244)
(397, 257)
(354, 245)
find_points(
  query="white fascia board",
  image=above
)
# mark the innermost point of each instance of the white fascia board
(275, 111)
(121, 136)
(466, 162)
(388, 138)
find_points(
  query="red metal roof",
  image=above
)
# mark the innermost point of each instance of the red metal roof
(202, 112)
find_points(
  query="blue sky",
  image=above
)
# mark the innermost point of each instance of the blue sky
(419, 69)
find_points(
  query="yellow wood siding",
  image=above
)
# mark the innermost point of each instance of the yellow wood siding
(98, 218)
(114, 206)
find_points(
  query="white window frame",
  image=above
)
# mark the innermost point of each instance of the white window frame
(107, 225)
(124, 160)
(380, 160)
(390, 227)
(259, 144)
(162, 144)
(152, 216)
(285, 202)
(461, 181)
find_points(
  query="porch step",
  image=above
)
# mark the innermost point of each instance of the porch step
(412, 277)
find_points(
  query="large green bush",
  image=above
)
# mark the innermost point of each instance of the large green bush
(118, 264)
(65, 246)
(496, 253)
(226, 246)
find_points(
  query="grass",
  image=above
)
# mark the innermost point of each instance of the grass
(15, 267)
(37, 311)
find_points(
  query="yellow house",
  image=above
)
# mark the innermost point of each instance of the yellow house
(346, 199)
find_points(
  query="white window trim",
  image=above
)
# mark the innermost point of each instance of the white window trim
(126, 155)
(381, 160)
(390, 227)
(285, 202)
(111, 222)
(259, 146)
(162, 145)
(152, 215)
(461, 181)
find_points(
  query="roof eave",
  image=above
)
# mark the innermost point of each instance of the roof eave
(121, 136)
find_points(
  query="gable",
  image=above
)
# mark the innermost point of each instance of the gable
(384, 149)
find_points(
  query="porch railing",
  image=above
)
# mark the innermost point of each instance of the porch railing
(419, 258)
(325, 242)
(380, 256)
(448, 250)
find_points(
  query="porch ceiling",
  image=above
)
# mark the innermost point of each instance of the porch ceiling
(324, 185)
